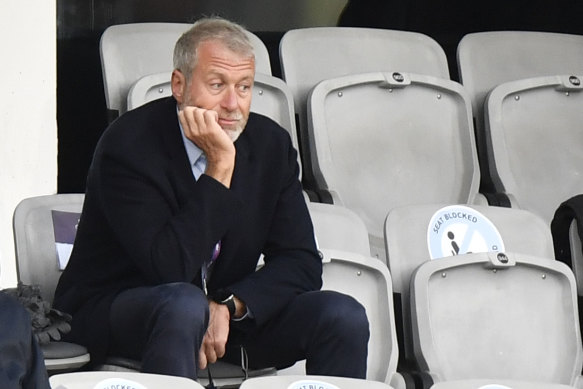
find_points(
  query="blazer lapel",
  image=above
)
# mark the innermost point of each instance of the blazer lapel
(179, 169)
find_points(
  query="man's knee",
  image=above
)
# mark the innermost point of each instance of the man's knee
(182, 303)
(339, 315)
(14, 317)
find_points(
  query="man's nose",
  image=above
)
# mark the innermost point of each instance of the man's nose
(230, 99)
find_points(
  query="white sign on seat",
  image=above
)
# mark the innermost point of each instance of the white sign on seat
(457, 229)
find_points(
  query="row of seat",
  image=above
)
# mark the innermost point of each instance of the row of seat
(376, 112)
(106, 380)
(380, 128)
(501, 311)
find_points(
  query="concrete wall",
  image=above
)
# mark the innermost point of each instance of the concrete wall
(28, 130)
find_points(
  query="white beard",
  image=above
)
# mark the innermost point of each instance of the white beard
(234, 134)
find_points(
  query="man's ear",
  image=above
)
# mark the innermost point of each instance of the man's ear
(178, 83)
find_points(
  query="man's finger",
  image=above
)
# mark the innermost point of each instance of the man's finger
(202, 362)
(219, 350)
(211, 117)
(210, 354)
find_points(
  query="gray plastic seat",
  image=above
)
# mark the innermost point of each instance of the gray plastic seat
(311, 55)
(495, 319)
(406, 238)
(481, 319)
(131, 51)
(533, 127)
(38, 263)
(488, 59)
(348, 268)
(383, 140)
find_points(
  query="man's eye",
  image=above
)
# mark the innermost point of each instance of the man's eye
(216, 86)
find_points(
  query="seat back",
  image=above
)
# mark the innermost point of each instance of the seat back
(311, 55)
(40, 224)
(534, 132)
(271, 98)
(488, 59)
(406, 237)
(125, 57)
(338, 228)
(383, 140)
(44, 231)
(502, 317)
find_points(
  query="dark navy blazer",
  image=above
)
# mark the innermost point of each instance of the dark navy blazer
(146, 221)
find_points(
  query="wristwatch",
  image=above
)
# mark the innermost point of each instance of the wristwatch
(225, 297)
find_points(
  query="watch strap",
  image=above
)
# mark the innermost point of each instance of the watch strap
(228, 300)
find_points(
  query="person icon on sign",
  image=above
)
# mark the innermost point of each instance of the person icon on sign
(454, 245)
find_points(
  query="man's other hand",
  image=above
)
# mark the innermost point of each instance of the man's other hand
(215, 338)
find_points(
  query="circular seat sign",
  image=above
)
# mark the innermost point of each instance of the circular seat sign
(311, 384)
(118, 383)
(457, 229)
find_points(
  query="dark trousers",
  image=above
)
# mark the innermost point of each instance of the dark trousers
(21, 362)
(163, 326)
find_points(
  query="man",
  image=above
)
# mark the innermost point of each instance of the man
(183, 196)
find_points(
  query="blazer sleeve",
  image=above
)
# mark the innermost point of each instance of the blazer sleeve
(292, 264)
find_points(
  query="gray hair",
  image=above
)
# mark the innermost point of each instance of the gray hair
(231, 34)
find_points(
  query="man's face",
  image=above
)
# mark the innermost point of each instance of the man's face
(222, 81)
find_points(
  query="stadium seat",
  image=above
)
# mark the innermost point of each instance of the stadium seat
(125, 57)
(348, 268)
(534, 138)
(407, 233)
(44, 229)
(488, 59)
(127, 380)
(383, 140)
(311, 55)
(494, 319)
